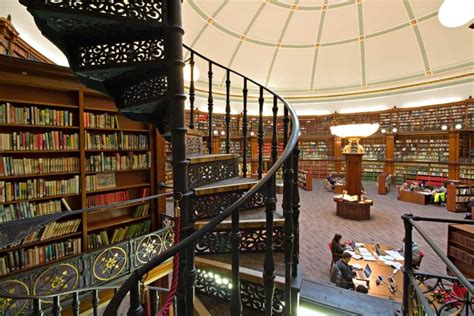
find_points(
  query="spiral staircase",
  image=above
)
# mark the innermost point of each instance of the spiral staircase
(229, 226)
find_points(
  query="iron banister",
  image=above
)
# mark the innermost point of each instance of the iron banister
(136, 276)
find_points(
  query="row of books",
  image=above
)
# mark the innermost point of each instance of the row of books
(141, 210)
(52, 230)
(28, 209)
(54, 140)
(37, 188)
(33, 115)
(108, 198)
(100, 181)
(105, 238)
(117, 140)
(117, 162)
(105, 120)
(10, 166)
(26, 258)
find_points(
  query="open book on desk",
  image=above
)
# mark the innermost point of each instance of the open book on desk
(346, 197)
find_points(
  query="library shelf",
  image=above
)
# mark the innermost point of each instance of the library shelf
(121, 170)
(38, 175)
(99, 210)
(114, 150)
(38, 126)
(116, 221)
(125, 130)
(42, 151)
(50, 197)
(41, 242)
(40, 265)
(118, 188)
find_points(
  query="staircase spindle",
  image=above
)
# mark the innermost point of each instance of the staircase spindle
(95, 302)
(227, 112)
(245, 124)
(191, 91)
(37, 309)
(287, 212)
(135, 307)
(260, 134)
(57, 306)
(210, 105)
(269, 263)
(154, 300)
(76, 304)
(235, 298)
(296, 211)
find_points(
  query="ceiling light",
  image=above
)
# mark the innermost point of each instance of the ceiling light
(458, 126)
(455, 13)
(353, 133)
(222, 133)
(187, 73)
(252, 134)
(444, 127)
(216, 132)
(394, 130)
(383, 130)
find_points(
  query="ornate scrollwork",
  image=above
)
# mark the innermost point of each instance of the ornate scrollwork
(10, 307)
(445, 294)
(205, 206)
(219, 286)
(121, 53)
(252, 240)
(152, 245)
(56, 279)
(193, 145)
(145, 91)
(149, 10)
(109, 263)
(203, 173)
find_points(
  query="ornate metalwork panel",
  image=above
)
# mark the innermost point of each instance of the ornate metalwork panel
(205, 206)
(203, 173)
(252, 240)
(150, 10)
(220, 285)
(150, 246)
(445, 296)
(121, 53)
(193, 145)
(110, 263)
(10, 307)
(145, 91)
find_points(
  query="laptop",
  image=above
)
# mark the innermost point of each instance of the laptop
(365, 274)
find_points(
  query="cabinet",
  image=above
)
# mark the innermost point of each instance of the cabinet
(461, 248)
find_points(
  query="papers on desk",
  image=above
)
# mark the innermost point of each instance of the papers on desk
(395, 254)
(386, 258)
(354, 255)
(366, 255)
(359, 244)
(393, 264)
(357, 266)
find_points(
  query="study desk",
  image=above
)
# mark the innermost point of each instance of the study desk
(417, 197)
(379, 268)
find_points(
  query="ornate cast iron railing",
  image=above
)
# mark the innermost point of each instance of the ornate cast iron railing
(288, 160)
(428, 294)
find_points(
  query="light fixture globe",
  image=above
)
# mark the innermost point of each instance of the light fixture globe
(455, 13)
(353, 133)
(187, 73)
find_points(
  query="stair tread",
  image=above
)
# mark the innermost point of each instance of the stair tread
(199, 158)
(225, 185)
(252, 261)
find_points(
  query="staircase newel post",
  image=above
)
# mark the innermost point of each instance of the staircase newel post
(245, 124)
(227, 112)
(269, 263)
(191, 92)
(235, 297)
(210, 106)
(260, 134)
(408, 266)
(296, 211)
(177, 97)
(287, 213)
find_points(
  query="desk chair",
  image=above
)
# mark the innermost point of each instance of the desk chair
(417, 266)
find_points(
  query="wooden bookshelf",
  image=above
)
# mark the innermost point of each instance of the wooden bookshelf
(55, 89)
(461, 248)
(459, 195)
(305, 180)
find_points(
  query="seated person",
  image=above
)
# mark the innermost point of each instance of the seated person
(330, 182)
(336, 247)
(362, 289)
(439, 195)
(342, 272)
(416, 253)
(404, 187)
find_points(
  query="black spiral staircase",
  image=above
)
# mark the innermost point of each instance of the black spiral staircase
(133, 52)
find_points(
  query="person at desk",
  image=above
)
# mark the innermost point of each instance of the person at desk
(342, 272)
(330, 182)
(336, 247)
(416, 253)
(439, 195)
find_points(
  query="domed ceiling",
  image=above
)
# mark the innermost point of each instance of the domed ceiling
(329, 47)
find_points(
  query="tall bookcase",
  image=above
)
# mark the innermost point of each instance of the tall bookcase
(64, 146)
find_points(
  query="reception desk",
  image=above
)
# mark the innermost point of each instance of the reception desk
(355, 210)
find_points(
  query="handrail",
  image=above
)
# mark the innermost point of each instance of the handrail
(184, 243)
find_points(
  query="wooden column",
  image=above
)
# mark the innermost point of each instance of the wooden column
(453, 163)
(337, 154)
(216, 144)
(389, 166)
(353, 173)
(253, 154)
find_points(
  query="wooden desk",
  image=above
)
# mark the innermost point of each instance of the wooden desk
(338, 188)
(414, 197)
(355, 210)
(379, 268)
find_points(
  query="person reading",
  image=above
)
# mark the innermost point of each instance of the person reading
(342, 272)
(416, 253)
(336, 247)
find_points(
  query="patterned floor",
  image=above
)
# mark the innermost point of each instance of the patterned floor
(319, 223)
